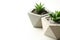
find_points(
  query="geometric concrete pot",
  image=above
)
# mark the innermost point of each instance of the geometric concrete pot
(51, 28)
(36, 19)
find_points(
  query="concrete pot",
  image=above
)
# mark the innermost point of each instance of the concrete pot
(51, 28)
(36, 19)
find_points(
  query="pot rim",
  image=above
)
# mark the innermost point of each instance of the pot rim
(50, 23)
(38, 14)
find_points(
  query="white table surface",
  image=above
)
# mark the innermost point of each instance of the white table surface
(15, 23)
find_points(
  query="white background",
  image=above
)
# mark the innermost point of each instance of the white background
(15, 23)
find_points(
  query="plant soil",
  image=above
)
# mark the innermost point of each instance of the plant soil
(40, 12)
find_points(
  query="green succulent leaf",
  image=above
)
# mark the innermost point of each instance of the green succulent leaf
(39, 7)
(52, 15)
(55, 16)
(58, 13)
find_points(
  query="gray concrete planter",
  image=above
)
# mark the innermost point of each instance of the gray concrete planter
(36, 19)
(51, 28)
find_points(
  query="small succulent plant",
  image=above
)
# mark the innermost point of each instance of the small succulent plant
(55, 16)
(39, 8)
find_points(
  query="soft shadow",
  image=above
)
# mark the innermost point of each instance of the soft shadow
(38, 28)
(58, 39)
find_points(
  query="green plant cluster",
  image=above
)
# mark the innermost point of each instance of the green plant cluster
(39, 7)
(55, 16)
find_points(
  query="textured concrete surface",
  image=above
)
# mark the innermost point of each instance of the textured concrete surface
(51, 29)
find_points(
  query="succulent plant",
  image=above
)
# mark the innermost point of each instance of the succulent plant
(55, 16)
(39, 8)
